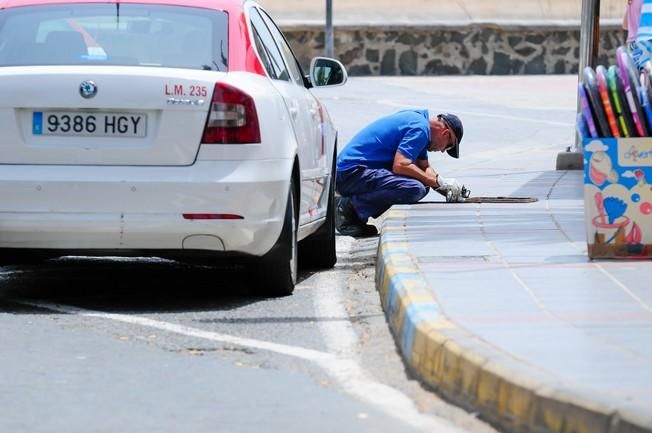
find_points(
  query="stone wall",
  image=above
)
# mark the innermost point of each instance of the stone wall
(440, 50)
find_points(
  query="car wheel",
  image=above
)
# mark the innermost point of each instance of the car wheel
(278, 273)
(318, 250)
(9, 257)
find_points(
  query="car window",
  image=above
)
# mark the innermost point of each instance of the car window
(293, 65)
(277, 69)
(264, 56)
(114, 34)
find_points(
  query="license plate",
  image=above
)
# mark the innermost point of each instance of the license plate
(96, 124)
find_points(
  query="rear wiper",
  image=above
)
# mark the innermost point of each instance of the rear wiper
(210, 68)
(223, 57)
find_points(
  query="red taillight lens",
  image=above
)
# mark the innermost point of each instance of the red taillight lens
(232, 118)
(212, 216)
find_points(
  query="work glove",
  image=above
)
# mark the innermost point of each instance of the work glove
(450, 188)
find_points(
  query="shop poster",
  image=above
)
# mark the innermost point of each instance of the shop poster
(618, 197)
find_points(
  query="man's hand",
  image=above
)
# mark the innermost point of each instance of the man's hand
(450, 188)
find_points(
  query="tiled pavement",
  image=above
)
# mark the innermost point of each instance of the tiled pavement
(499, 307)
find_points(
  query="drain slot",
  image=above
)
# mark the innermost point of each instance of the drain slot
(497, 199)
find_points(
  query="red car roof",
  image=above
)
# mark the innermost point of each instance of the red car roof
(242, 56)
(206, 4)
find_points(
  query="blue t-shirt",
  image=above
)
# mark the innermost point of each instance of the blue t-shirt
(407, 131)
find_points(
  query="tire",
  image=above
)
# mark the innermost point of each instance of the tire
(9, 257)
(318, 251)
(277, 274)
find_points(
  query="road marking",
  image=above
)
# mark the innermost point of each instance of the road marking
(339, 335)
(297, 352)
(347, 372)
(341, 339)
(481, 114)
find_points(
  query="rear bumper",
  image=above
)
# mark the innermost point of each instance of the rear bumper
(141, 208)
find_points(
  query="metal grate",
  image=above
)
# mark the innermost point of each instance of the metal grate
(501, 200)
(488, 200)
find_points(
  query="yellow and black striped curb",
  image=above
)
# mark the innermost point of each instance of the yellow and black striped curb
(509, 393)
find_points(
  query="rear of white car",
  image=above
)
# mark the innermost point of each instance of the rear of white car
(128, 170)
(123, 133)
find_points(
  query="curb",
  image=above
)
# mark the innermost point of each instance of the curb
(361, 24)
(470, 372)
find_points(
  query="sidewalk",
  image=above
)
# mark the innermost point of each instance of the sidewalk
(498, 307)
(418, 11)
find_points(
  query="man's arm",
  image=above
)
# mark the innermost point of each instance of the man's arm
(424, 165)
(422, 171)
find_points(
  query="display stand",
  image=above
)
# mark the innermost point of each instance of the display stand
(618, 197)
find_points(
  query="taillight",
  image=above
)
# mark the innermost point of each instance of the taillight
(212, 216)
(232, 118)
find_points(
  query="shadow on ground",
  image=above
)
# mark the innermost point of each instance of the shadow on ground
(127, 285)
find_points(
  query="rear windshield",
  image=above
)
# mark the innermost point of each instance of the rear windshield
(114, 34)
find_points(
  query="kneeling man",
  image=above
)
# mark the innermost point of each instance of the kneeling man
(387, 163)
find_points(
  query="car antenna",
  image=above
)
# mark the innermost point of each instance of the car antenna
(117, 9)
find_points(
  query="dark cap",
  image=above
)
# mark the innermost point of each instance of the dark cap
(455, 124)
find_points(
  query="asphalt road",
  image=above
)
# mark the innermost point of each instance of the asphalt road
(147, 345)
(121, 346)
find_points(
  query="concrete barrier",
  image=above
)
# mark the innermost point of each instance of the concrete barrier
(449, 49)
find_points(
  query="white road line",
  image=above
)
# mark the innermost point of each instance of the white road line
(341, 339)
(481, 114)
(297, 352)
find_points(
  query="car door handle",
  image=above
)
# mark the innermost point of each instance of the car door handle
(294, 111)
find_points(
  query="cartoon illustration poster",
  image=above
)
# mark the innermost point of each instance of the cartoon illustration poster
(618, 197)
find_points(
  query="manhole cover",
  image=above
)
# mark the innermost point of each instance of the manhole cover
(501, 200)
(489, 200)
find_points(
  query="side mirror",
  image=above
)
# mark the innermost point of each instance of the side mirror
(325, 71)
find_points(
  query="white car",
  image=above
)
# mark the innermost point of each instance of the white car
(169, 128)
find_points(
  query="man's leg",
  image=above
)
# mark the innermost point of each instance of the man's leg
(373, 191)
(347, 221)
(389, 190)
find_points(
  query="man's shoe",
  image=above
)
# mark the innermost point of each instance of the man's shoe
(358, 230)
(344, 212)
(347, 222)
